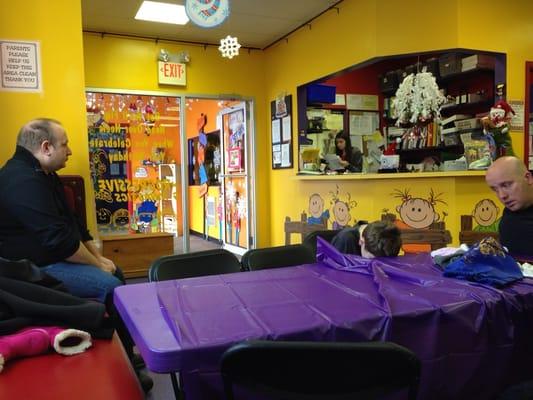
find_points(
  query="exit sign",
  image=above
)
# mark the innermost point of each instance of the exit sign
(172, 73)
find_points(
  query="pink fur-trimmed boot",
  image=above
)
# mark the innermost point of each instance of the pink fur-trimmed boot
(38, 340)
(68, 341)
(24, 343)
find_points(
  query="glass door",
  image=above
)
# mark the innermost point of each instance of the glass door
(237, 196)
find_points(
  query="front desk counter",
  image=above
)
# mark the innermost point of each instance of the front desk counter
(399, 175)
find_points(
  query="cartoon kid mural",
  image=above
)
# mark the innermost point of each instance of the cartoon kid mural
(486, 216)
(317, 214)
(417, 213)
(341, 210)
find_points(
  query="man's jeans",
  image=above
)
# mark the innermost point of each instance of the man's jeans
(82, 280)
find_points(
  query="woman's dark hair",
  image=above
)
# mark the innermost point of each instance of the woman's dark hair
(382, 239)
(348, 147)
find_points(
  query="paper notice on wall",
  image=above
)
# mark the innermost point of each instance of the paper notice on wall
(517, 121)
(286, 129)
(334, 121)
(368, 102)
(20, 68)
(211, 211)
(363, 123)
(285, 155)
(276, 131)
(340, 100)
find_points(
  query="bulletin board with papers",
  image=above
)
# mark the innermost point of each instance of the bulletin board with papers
(281, 132)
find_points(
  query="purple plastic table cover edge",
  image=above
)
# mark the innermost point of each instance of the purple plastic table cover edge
(472, 339)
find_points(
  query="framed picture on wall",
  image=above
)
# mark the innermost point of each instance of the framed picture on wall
(281, 132)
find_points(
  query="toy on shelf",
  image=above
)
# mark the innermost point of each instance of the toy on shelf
(496, 129)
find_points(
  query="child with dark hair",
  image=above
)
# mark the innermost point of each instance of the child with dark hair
(380, 239)
(376, 239)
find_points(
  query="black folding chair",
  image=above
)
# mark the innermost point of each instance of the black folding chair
(320, 370)
(277, 257)
(310, 239)
(189, 265)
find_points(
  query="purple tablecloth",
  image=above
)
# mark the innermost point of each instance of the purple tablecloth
(472, 339)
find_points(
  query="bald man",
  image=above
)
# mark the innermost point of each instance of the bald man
(37, 224)
(35, 220)
(513, 184)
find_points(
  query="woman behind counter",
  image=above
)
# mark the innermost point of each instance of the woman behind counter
(350, 158)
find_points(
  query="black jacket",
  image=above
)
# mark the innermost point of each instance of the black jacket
(24, 304)
(35, 220)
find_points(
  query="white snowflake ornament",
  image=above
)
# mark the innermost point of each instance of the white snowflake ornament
(229, 47)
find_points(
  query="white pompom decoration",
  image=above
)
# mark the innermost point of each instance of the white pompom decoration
(418, 100)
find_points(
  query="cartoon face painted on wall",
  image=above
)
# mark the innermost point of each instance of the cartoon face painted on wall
(341, 209)
(316, 205)
(485, 212)
(341, 213)
(416, 212)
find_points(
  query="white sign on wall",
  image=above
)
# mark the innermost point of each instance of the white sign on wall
(517, 121)
(20, 66)
(171, 73)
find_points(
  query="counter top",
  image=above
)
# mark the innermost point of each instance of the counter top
(399, 175)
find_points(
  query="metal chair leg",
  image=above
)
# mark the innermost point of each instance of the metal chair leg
(175, 385)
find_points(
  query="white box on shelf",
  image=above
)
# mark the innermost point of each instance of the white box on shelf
(471, 123)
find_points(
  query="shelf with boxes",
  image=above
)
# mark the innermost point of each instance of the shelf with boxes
(468, 78)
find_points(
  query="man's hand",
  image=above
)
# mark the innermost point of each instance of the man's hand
(107, 265)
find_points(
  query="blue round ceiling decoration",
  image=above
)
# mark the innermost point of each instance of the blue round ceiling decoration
(207, 13)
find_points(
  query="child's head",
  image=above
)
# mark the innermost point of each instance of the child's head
(379, 239)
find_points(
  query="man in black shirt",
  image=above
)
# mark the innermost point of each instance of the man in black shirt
(36, 222)
(513, 184)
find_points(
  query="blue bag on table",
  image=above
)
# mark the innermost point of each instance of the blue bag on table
(486, 262)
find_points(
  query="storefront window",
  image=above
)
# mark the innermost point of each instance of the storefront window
(134, 145)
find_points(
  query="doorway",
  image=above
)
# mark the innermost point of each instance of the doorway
(220, 168)
(176, 165)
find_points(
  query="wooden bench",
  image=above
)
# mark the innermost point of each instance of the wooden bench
(436, 236)
(468, 236)
(302, 227)
(101, 372)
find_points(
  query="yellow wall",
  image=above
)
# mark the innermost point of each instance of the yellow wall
(506, 29)
(363, 29)
(57, 26)
(119, 63)
(197, 213)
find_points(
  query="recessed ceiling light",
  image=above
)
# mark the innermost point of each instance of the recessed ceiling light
(162, 12)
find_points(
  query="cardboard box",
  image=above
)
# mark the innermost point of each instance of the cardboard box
(320, 94)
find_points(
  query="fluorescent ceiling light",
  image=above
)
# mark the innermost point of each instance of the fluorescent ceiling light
(162, 12)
